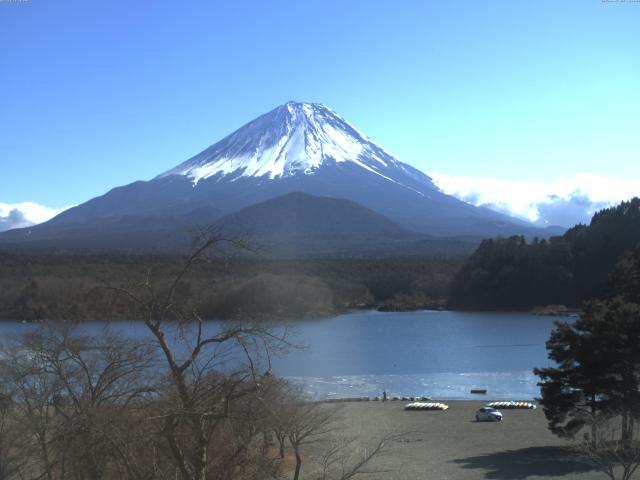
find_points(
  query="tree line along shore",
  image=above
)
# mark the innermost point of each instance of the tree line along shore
(503, 273)
(71, 287)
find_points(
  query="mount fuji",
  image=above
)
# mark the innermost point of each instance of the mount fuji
(297, 147)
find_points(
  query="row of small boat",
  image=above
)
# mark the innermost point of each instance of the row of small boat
(426, 406)
(412, 399)
(511, 405)
(405, 399)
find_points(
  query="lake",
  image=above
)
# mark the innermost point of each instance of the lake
(439, 354)
(442, 354)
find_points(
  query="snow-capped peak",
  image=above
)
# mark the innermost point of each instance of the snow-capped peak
(295, 138)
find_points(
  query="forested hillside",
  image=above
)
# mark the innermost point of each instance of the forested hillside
(514, 273)
(69, 287)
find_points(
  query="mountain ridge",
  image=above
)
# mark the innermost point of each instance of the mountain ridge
(296, 147)
(291, 139)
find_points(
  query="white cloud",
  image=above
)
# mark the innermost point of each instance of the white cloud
(562, 201)
(25, 214)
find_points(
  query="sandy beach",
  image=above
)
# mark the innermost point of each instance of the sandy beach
(446, 445)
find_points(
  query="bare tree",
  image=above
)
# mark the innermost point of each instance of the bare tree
(192, 399)
(615, 449)
(275, 398)
(212, 369)
(309, 423)
(306, 423)
(23, 378)
(313, 430)
(74, 395)
(12, 458)
(347, 457)
(104, 381)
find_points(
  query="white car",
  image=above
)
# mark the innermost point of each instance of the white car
(488, 414)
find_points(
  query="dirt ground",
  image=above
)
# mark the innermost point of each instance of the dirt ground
(439, 445)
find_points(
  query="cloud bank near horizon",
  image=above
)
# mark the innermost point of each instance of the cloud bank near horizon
(25, 214)
(562, 201)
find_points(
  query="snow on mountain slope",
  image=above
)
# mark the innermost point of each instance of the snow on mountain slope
(293, 139)
(295, 148)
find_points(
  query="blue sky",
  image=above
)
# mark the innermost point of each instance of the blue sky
(99, 94)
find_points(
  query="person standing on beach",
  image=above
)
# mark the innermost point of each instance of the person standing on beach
(384, 395)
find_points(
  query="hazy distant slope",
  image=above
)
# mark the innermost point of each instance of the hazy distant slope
(300, 215)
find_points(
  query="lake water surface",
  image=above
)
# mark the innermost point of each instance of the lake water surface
(440, 354)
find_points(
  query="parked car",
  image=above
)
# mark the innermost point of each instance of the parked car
(488, 414)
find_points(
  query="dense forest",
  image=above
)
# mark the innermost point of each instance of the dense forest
(70, 287)
(515, 273)
(502, 273)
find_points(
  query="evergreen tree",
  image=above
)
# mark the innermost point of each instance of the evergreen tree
(515, 273)
(598, 371)
(625, 279)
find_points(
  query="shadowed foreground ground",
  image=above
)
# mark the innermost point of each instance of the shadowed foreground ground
(451, 445)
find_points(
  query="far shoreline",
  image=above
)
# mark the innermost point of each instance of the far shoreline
(311, 316)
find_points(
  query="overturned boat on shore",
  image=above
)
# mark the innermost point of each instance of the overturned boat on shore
(512, 405)
(426, 406)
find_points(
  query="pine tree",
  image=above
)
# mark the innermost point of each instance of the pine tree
(598, 372)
